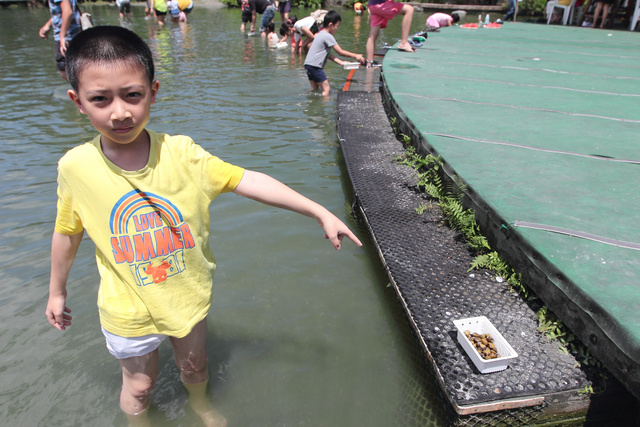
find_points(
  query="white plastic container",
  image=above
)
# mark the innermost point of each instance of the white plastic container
(281, 45)
(482, 325)
(350, 65)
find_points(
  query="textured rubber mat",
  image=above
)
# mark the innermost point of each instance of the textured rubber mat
(427, 264)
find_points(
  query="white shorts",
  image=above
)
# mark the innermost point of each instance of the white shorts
(123, 347)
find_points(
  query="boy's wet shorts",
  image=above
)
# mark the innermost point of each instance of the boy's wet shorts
(382, 13)
(123, 348)
(315, 74)
(59, 57)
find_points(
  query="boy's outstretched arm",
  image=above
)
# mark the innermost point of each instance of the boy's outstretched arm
(340, 51)
(63, 252)
(268, 190)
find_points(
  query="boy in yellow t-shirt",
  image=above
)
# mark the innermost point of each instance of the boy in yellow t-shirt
(144, 199)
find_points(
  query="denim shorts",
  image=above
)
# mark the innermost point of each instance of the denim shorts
(125, 347)
(315, 74)
(267, 17)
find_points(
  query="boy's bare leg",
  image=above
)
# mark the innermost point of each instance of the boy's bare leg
(190, 354)
(325, 87)
(371, 42)
(407, 17)
(139, 375)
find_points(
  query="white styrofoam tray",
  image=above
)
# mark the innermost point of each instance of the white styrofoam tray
(482, 325)
(350, 65)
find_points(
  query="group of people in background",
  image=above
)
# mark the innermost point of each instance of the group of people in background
(314, 34)
(319, 27)
(66, 17)
(177, 10)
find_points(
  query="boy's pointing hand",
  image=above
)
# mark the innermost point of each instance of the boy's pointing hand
(335, 230)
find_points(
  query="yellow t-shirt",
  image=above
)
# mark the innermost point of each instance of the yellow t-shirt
(151, 231)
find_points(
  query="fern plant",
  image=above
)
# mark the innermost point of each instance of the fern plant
(449, 200)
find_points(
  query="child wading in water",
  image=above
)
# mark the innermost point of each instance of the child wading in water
(320, 51)
(144, 198)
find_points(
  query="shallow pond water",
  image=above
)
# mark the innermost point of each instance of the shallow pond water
(299, 334)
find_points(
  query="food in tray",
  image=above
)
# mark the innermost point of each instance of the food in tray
(483, 343)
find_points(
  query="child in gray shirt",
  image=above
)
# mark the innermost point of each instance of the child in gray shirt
(320, 51)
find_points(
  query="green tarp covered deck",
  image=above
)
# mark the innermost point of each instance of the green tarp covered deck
(542, 124)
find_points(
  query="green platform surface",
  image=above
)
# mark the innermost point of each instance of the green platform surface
(543, 124)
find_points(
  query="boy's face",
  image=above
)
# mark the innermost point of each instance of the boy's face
(332, 28)
(117, 99)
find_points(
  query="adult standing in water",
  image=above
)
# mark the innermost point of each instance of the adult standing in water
(65, 21)
(264, 8)
(284, 7)
(381, 13)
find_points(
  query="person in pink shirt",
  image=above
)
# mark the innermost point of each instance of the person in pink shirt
(438, 20)
(382, 11)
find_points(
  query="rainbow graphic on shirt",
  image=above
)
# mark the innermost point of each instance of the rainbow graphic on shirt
(150, 235)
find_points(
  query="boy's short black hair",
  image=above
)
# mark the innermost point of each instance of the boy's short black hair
(455, 17)
(107, 45)
(332, 17)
